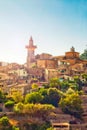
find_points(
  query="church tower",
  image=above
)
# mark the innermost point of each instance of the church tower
(30, 52)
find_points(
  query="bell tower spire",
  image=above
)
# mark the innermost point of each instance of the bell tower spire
(31, 41)
(30, 52)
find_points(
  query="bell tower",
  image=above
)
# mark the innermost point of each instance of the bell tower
(30, 52)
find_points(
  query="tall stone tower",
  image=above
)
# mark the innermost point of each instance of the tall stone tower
(30, 53)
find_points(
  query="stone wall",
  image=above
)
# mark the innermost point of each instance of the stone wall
(48, 63)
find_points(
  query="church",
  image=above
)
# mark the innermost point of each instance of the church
(45, 66)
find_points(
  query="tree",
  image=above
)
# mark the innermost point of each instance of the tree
(77, 83)
(54, 96)
(84, 76)
(4, 121)
(34, 97)
(35, 110)
(6, 125)
(70, 91)
(37, 126)
(43, 91)
(34, 86)
(50, 96)
(46, 85)
(17, 97)
(9, 104)
(54, 82)
(18, 108)
(64, 85)
(2, 96)
(71, 104)
(29, 108)
(84, 55)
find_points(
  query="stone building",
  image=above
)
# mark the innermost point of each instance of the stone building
(70, 58)
(51, 73)
(45, 56)
(70, 64)
(47, 66)
(36, 73)
(47, 63)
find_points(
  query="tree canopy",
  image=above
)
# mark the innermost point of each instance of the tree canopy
(34, 97)
(33, 109)
(17, 97)
(71, 104)
(84, 55)
(9, 104)
(54, 82)
(2, 96)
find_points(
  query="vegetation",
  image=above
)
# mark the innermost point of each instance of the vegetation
(17, 96)
(4, 121)
(34, 97)
(71, 104)
(54, 82)
(40, 102)
(78, 83)
(33, 109)
(84, 76)
(5, 124)
(2, 96)
(84, 55)
(50, 128)
(34, 126)
(50, 96)
(34, 86)
(9, 104)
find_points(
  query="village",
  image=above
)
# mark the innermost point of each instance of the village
(39, 69)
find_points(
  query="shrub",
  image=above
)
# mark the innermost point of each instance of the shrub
(9, 104)
(4, 121)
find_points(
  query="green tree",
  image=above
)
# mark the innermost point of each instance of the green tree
(54, 82)
(36, 110)
(34, 97)
(34, 86)
(29, 108)
(64, 86)
(6, 125)
(84, 55)
(17, 97)
(46, 85)
(71, 104)
(9, 104)
(50, 96)
(70, 91)
(18, 108)
(43, 91)
(77, 83)
(2, 96)
(4, 121)
(37, 126)
(84, 76)
(53, 96)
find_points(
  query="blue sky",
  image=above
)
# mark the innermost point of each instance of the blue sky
(55, 25)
